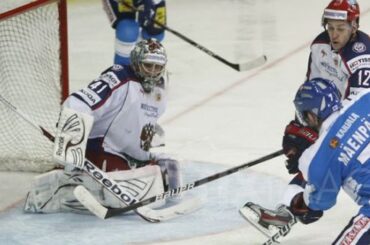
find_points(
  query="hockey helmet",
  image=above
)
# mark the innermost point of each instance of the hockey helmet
(319, 96)
(342, 10)
(148, 60)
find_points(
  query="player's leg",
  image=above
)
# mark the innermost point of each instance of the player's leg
(127, 33)
(295, 186)
(53, 191)
(171, 173)
(269, 221)
(357, 232)
(142, 183)
(123, 20)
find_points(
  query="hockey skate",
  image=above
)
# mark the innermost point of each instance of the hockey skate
(269, 222)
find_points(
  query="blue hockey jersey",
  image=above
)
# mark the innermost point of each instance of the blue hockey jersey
(340, 157)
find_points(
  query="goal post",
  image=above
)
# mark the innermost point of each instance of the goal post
(33, 77)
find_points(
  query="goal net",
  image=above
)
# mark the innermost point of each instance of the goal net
(33, 78)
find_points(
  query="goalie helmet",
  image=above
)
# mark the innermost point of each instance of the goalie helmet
(148, 60)
(348, 10)
(319, 96)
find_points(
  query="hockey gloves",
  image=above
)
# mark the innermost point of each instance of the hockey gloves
(153, 18)
(303, 213)
(297, 138)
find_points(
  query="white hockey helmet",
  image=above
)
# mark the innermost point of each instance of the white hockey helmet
(148, 60)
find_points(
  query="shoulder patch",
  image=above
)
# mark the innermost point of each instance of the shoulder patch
(117, 67)
(358, 62)
(334, 142)
(358, 47)
(111, 79)
(89, 96)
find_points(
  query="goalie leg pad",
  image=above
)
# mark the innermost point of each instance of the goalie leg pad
(171, 173)
(142, 183)
(52, 192)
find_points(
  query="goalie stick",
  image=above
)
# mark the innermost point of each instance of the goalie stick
(94, 172)
(239, 67)
(175, 192)
(184, 207)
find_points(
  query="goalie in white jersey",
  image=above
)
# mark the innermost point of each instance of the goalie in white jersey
(119, 111)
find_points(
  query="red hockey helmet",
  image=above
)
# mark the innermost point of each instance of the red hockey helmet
(342, 10)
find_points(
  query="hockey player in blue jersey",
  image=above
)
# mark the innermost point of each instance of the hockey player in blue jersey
(338, 159)
(131, 26)
(341, 54)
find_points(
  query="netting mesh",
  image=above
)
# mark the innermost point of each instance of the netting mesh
(30, 80)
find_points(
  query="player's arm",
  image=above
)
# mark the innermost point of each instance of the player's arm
(79, 112)
(323, 183)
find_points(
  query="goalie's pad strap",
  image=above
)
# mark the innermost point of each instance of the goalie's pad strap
(72, 134)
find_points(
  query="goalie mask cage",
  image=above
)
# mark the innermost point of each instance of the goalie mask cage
(34, 78)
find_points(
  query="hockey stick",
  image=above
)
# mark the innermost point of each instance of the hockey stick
(179, 190)
(184, 207)
(239, 67)
(94, 172)
(283, 231)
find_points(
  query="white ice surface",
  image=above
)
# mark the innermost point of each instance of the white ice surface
(215, 115)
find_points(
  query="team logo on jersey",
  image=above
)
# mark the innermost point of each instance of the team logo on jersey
(146, 136)
(336, 62)
(359, 47)
(334, 142)
(323, 53)
(158, 97)
(117, 67)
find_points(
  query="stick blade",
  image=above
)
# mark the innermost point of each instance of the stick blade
(253, 63)
(185, 206)
(89, 202)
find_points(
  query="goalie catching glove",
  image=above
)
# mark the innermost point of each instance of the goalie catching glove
(297, 138)
(71, 137)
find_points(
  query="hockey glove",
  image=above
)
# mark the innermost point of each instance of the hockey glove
(297, 138)
(302, 212)
(71, 137)
(153, 18)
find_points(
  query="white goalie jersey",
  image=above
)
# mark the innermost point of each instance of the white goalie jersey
(124, 115)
